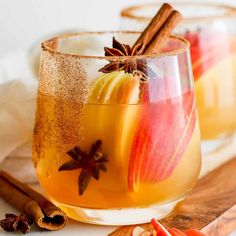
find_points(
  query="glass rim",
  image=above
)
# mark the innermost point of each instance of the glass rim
(129, 12)
(47, 46)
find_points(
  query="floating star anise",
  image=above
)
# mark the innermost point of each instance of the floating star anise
(16, 223)
(90, 164)
(127, 64)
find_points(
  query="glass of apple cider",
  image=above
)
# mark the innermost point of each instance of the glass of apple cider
(210, 29)
(116, 138)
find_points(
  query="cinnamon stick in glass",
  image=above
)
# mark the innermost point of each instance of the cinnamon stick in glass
(155, 24)
(163, 33)
(155, 35)
(159, 29)
(38, 208)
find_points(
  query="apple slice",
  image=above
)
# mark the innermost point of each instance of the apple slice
(159, 228)
(137, 231)
(207, 48)
(215, 92)
(120, 90)
(176, 232)
(203, 42)
(108, 116)
(207, 60)
(114, 88)
(163, 134)
(102, 87)
(162, 130)
(193, 232)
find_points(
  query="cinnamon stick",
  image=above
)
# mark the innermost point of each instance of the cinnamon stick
(163, 33)
(39, 209)
(155, 25)
(154, 36)
(159, 29)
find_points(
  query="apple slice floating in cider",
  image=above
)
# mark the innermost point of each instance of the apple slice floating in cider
(207, 48)
(164, 132)
(164, 128)
(118, 90)
(116, 87)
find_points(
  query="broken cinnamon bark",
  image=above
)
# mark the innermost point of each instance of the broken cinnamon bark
(34, 205)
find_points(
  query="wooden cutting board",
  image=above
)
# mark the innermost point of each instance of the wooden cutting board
(210, 207)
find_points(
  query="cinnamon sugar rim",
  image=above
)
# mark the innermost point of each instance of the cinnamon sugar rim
(129, 12)
(47, 46)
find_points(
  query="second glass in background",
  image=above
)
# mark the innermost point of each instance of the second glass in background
(212, 34)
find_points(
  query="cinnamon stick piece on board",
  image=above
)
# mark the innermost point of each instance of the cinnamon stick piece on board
(39, 209)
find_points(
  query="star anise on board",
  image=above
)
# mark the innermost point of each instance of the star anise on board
(90, 163)
(16, 223)
(128, 64)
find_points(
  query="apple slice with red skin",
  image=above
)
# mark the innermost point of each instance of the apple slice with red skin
(207, 48)
(163, 134)
(193, 232)
(208, 59)
(160, 230)
(189, 232)
(176, 232)
(156, 119)
(203, 42)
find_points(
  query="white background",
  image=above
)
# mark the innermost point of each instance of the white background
(22, 22)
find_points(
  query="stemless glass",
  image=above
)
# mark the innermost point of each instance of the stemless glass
(115, 148)
(211, 32)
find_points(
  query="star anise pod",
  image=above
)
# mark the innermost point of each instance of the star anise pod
(128, 64)
(16, 223)
(90, 163)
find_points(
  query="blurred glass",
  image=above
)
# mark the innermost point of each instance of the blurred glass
(211, 31)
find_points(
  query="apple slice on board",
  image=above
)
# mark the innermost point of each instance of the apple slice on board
(163, 134)
(176, 232)
(159, 228)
